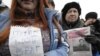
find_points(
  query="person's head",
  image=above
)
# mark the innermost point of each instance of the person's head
(71, 12)
(34, 6)
(26, 5)
(91, 18)
(82, 41)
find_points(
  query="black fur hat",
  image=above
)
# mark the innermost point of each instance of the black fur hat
(71, 5)
(92, 15)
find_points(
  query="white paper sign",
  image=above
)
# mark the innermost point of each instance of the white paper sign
(25, 41)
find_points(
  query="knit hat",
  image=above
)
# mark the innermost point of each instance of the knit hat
(92, 15)
(71, 5)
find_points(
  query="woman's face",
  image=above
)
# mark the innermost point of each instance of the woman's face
(72, 15)
(27, 4)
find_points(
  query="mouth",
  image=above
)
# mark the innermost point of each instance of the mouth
(27, 1)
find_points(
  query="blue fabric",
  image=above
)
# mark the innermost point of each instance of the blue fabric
(97, 54)
(4, 19)
(63, 48)
(4, 23)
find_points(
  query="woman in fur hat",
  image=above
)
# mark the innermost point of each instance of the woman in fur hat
(71, 16)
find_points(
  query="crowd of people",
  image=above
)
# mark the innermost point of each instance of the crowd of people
(42, 14)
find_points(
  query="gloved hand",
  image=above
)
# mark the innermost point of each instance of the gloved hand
(91, 39)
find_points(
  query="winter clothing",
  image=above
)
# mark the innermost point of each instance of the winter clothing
(4, 23)
(4, 17)
(50, 14)
(66, 25)
(55, 48)
(94, 38)
(76, 24)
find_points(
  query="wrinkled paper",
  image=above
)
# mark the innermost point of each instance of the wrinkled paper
(78, 48)
(25, 41)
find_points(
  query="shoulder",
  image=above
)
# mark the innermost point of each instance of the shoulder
(4, 19)
(4, 15)
(51, 12)
(48, 10)
(5, 11)
(81, 23)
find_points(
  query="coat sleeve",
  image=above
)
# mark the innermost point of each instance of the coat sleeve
(62, 50)
(4, 20)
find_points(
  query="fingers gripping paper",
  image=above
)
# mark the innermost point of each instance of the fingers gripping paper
(25, 41)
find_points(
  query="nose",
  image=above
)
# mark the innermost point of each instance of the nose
(72, 13)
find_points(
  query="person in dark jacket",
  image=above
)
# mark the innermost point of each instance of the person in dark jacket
(94, 38)
(91, 19)
(71, 16)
